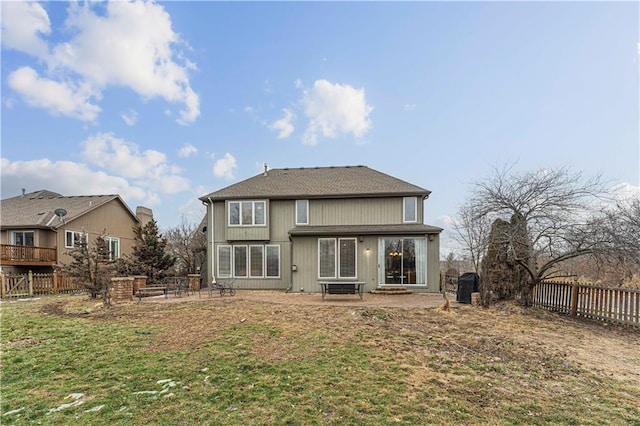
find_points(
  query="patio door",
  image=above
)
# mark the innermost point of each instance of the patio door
(402, 261)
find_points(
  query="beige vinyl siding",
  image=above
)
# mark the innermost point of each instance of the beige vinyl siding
(433, 263)
(282, 218)
(279, 220)
(360, 211)
(248, 283)
(305, 279)
(247, 232)
(112, 219)
(305, 257)
(46, 238)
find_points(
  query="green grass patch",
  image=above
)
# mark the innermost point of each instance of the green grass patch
(241, 362)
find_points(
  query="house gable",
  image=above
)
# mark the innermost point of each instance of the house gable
(355, 212)
(91, 215)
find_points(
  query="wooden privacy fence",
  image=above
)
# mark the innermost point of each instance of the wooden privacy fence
(30, 284)
(617, 305)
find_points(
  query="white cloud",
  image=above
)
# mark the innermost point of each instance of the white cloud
(68, 178)
(187, 150)
(121, 157)
(334, 110)
(225, 167)
(130, 118)
(409, 107)
(131, 45)
(65, 98)
(298, 84)
(284, 126)
(22, 24)
(149, 168)
(249, 109)
(625, 191)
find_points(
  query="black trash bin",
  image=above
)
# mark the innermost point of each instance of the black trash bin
(467, 283)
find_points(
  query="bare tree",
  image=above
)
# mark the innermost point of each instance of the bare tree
(618, 229)
(187, 243)
(549, 212)
(471, 231)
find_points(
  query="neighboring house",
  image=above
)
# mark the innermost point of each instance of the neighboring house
(291, 228)
(39, 229)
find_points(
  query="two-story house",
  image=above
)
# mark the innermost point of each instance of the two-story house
(292, 228)
(39, 229)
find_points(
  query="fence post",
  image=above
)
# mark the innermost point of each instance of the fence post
(3, 287)
(54, 285)
(574, 297)
(30, 283)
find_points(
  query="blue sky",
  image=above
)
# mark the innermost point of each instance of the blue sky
(165, 102)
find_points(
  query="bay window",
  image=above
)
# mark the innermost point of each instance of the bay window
(23, 238)
(247, 213)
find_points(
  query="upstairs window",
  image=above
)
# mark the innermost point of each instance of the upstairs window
(73, 239)
(410, 209)
(22, 238)
(247, 213)
(302, 212)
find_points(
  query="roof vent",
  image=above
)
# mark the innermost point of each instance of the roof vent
(266, 167)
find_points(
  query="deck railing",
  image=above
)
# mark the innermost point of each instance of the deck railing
(617, 305)
(25, 254)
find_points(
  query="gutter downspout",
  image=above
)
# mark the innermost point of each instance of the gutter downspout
(291, 271)
(211, 238)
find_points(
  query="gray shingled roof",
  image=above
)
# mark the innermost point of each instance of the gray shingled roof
(404, 229)
(36, 209)
(318, 182)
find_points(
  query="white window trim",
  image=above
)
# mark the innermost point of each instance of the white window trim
(13, 236)
(250, 256)
(113, 256)
(404, 209)
(307, 210)
(232, 269)
(355, 254)
(279, 261)
(336, 265)
(230, 260)
(233, 261)
(73, 238)
(253, 213)
(335, 260)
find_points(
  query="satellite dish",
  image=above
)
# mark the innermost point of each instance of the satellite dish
(60, 213)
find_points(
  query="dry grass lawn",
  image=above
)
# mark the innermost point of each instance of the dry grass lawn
(269, 358)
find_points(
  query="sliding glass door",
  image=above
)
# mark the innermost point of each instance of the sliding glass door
(402, 261)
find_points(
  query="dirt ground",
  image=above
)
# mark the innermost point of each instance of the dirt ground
(612, 351)
(606, 350)
(415, 300)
